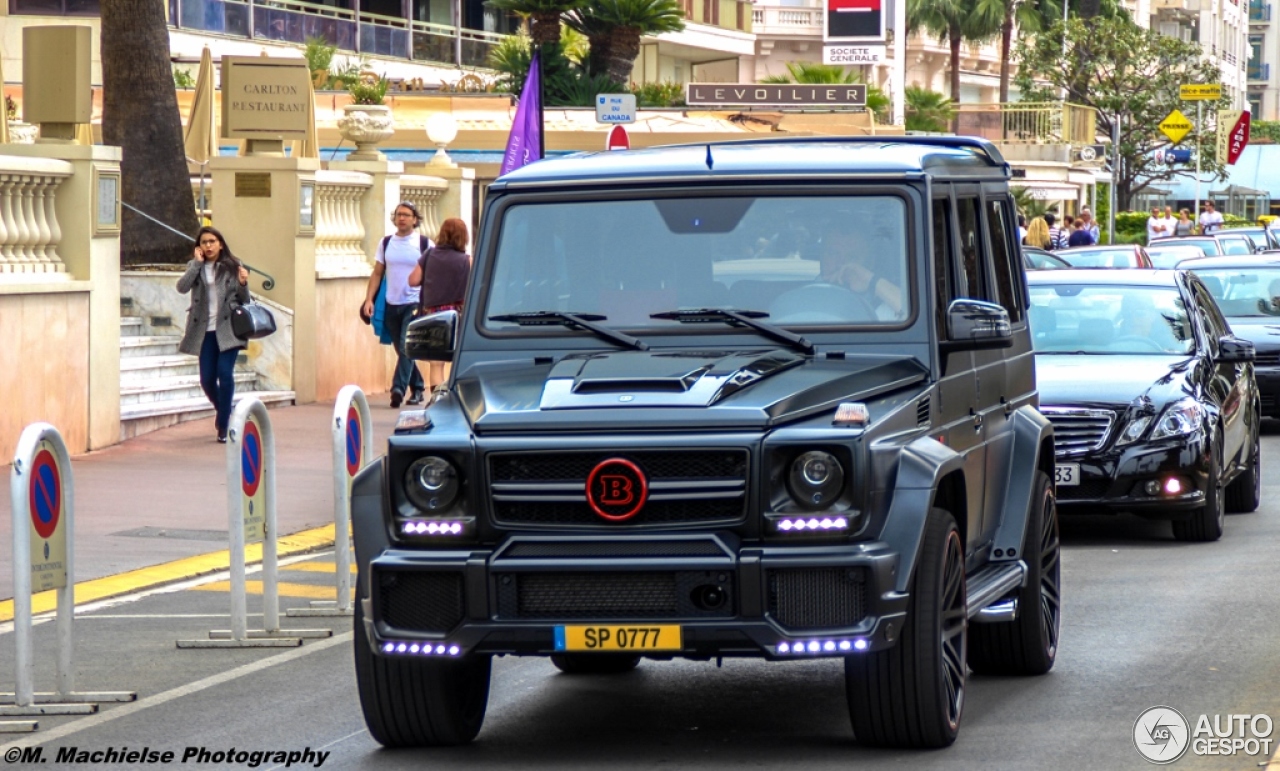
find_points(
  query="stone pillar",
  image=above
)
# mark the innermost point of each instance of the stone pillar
(459, 200)
(260, 213)
(380, 202)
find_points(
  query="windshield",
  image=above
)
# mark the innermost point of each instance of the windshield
(1169, 256)
(1102, 258)
(1071, 318)
(1235, 246)
(1208, 247)
(1244, 291)
(801, 260)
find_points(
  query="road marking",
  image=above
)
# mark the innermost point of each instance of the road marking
(324, 747)
(124, 710)
(283, 589)
(145, 616)
(317, 567)
(158, 575)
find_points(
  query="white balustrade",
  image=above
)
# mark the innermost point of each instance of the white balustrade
(30, 234)
(425, 193)
(774, 19)
(339, 225)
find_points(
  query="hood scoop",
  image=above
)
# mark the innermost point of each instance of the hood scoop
(649, 379)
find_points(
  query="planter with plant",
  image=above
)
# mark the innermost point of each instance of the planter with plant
(367, 121)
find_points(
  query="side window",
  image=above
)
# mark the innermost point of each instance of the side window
(1006, 285)
(942, 258)
(971, 249)
(1215, 326)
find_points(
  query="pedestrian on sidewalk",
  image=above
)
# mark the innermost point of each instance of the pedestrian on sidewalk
(397, 256)
(442, 273)
(218, 283)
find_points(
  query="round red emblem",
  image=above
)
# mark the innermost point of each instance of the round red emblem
(617, 489)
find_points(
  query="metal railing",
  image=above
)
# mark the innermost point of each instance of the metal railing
(1029, 122)
(1259, 13)
(1259, 71)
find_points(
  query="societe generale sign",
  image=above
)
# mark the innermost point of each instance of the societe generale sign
(776, 94)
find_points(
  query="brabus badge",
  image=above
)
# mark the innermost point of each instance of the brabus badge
(617, 489)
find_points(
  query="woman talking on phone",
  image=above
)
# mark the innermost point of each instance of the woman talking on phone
(217, 283)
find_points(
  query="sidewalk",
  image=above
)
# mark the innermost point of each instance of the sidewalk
(162, 496)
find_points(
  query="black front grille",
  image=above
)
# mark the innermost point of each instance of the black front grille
(817, 598)
(1078, 431)
(604, 596)
(922, 412)
(612, 549)
(1088, 489)
(1267, 359)
(420, 602)
(685, 486)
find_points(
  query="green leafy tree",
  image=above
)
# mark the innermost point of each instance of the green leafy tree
(614, 28)
(1131, 76)
(953, 21)
(543, 15)
(812, 73)
(565, 82)
(1004, 14)
(927, 110)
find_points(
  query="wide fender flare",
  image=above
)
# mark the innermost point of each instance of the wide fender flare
(1032, 432)
(368, 521)
(921, 465)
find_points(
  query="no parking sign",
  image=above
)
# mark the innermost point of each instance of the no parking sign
(48, 532)
(355, 441)
(251, 472)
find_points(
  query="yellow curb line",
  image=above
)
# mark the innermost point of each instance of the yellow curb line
(159, 575)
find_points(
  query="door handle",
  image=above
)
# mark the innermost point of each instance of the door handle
(977, 420)
(1008, 406)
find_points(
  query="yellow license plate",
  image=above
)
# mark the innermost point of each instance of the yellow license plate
(608, 638)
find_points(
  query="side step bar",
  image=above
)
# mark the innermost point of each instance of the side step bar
(990, 584)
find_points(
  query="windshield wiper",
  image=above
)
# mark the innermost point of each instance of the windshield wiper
(744, 318)
(574, 321)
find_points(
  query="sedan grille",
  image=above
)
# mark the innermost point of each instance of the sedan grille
(1267, 359)
(1078, 431)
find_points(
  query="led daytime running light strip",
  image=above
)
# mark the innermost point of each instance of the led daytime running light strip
(418, 527)
(820, 647)
(420, 649)
(813, 523)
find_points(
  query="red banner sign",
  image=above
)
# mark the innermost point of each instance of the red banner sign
(1238, 139)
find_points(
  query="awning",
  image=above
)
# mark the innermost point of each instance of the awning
(1049, 191)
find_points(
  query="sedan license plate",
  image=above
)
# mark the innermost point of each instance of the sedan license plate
(609, 638)
(1067, 474)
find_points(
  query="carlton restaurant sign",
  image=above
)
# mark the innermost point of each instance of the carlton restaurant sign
(776, 95)
(265, 97)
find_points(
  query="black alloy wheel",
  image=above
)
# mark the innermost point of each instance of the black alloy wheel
(1244, 494)
(1206, 523)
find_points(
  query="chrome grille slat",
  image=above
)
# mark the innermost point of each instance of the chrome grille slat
(1078, 431)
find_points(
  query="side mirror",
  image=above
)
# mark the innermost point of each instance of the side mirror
(433, 337)
(1234, 350)
(975, 325)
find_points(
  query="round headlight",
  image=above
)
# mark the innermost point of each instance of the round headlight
(432, 484)
(816, 479)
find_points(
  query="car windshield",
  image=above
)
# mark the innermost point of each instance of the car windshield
(1109, 319)
(1261, 237)
(1101, 258)
(1208, 247)
(1169, 256)
(830, 260)
(1037, 260)
(1244, 291)
(1241, 245)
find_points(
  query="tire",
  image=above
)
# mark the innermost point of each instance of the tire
(911, 695)
(1244, 494)
(1028, 645)
(420, 703)
(1206, 523)
(595, 663)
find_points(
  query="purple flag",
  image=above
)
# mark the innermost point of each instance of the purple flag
(524, 146)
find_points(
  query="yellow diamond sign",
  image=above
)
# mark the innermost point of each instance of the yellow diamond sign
(1175, 126)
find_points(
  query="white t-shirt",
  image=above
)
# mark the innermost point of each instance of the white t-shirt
(1157, 227)
(1210, 222)
(211, 292)
(401, 258)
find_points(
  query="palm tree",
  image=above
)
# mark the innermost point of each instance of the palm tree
(953, 21)
(812, 73)
(140, 114)
(544, 16)
(1005, 14)
(927, 110)
(614, 29)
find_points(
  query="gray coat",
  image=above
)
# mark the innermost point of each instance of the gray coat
(233, 294)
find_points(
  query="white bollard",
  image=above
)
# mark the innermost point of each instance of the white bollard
(42, 498)
(352, 451)
(251, 517)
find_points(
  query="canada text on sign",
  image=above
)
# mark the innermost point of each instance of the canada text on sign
(1200, 92)
(789, 94)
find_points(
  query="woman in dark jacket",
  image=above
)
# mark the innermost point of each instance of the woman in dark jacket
(442, 273)
(217, 283)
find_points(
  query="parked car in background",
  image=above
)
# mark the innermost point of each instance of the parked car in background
(1208, 245)
(1263, 238)
(1039, 259)
(1152, 398)
(1167, 255)
(1234, 242)
(1114, 256)
(1247, 290)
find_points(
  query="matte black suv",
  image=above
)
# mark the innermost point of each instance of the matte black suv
(769, 399)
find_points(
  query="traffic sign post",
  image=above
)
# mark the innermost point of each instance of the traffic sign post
(1175, 126)
(615, 108)
(42, 500)
(352, 451)
(617, 139)
(1199, 93)
(251, 512)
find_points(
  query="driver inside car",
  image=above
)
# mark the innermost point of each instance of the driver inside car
(848, 261)
(1139, 318)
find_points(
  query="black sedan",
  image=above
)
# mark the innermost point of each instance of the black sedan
(1247, 290)
(1152, 397)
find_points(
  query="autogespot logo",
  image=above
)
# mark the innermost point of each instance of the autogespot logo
(1161, 735)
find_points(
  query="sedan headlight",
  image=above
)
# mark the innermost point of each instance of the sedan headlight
(1180, 418)
(816, 479)
(1134, 431)
(432, 484)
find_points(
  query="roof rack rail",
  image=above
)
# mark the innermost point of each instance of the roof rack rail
(981, 146)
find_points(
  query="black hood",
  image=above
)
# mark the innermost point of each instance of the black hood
(1110, 380)
(1262, 331)
(645, 389)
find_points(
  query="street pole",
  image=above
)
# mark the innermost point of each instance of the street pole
(1065, 7)
(900, 62)
(1199, 119)
(1115, 177)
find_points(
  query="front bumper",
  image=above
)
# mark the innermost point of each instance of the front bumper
(1115, 479)
(1268, 379)
(833, 600)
